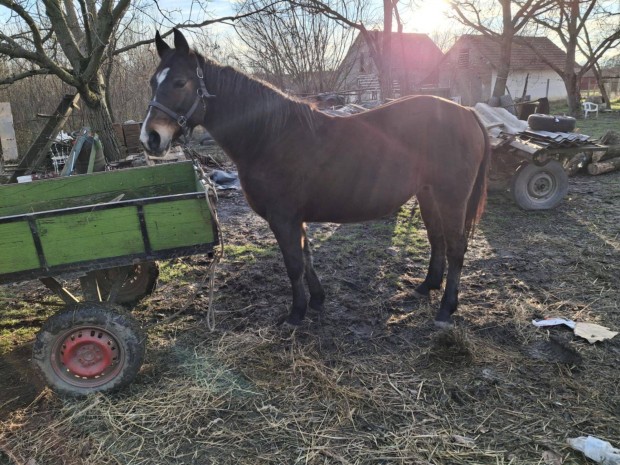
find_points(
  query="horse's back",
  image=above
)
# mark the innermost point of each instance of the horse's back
(367, 165)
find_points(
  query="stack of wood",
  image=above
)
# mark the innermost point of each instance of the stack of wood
(128, 134)
(607, 160)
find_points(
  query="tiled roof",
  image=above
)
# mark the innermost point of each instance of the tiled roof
(522, 56)
(412, 50)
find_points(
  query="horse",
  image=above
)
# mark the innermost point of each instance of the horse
(298, 165)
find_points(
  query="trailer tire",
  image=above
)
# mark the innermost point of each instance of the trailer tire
(540, 122)
(141, 282)
(536, 187)
(89, 347)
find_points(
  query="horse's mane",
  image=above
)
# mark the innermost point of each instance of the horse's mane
(263, 106)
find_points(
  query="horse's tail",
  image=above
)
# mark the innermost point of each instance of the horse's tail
(478, 196)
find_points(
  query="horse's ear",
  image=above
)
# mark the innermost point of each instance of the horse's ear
(162, 46)
(180, 43)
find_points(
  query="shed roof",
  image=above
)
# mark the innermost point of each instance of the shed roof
(410, 50)
(522, 56)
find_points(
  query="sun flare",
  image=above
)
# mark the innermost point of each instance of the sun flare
(429, 17)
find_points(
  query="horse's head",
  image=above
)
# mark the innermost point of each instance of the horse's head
(179, 95)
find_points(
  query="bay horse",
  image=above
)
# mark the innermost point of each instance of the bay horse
(299, 165)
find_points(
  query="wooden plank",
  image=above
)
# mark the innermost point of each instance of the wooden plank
(8, 142)
(72, 191)
(17, 249)
(89, 236)
(178, 223)
(38, 150)
(524, 147)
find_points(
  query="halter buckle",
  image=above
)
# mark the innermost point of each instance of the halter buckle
(182, 121)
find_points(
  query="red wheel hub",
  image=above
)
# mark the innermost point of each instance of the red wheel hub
(88, 353)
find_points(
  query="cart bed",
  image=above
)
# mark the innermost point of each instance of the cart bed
(103, 220)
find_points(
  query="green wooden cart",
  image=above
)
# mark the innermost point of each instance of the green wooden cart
(108, 229)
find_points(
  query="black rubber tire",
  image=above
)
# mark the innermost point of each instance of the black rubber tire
(539, 122)
(110, 326)
(539, 187)
(141, 282)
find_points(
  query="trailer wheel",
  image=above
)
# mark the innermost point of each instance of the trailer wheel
(89, 347)
(539, 187)
(141, 281)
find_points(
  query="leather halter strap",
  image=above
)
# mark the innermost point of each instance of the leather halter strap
(201, 94)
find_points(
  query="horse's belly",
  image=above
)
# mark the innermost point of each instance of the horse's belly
(347, 208)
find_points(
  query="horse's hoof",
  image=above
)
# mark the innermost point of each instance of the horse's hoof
(317, 307)
(420, 296)
(290, 321)
(444, 324)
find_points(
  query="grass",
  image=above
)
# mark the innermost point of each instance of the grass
(595, 127)
(249, 252)
(20, 321)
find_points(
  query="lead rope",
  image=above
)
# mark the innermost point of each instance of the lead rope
(212, 198)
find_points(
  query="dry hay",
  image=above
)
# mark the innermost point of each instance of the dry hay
(367, 382)
(271, 396)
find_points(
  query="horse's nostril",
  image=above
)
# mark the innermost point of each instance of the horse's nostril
(154, 140)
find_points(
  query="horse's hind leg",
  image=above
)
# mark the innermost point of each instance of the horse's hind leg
(289, 236)
(317, 294)
(434, 230)
(453, 220)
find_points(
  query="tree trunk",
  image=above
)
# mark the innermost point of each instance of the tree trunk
(571, 81)
(101, 122)
(604, 167)
(502, 77)
(100, 118)
(596, 69)
(385, 72)
(505, 48)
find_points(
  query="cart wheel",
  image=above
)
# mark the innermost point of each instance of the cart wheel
(89, 347)
(539, 187)
(140, 282)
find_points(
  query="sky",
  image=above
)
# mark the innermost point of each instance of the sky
(425, 19)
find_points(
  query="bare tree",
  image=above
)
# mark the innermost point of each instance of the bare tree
(72, 40)
(577, 25)
(72, 47)
(605, 23)
(290, 46)
(380, 45)
(476, 14)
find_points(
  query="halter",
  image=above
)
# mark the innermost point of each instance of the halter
(201, 94)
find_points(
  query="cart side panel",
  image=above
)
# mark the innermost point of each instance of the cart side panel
(89, 189)
(17, 248)
(90, 235)
(179, 223)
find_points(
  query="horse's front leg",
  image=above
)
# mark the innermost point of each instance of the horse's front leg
(289, 236)
(317, 294)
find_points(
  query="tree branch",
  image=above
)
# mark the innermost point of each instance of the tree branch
(24, 75)
(196, 25)
(63, 32)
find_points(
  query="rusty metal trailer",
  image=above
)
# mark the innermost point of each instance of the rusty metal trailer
(536, 161)
(107, 228)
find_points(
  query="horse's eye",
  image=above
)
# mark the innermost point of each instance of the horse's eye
(178, 83)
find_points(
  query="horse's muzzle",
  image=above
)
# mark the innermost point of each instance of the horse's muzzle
(154, 143)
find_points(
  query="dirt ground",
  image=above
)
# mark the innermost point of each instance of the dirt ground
(370, 380)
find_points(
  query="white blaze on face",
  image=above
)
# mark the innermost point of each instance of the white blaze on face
(161, 76)
(165, 132)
